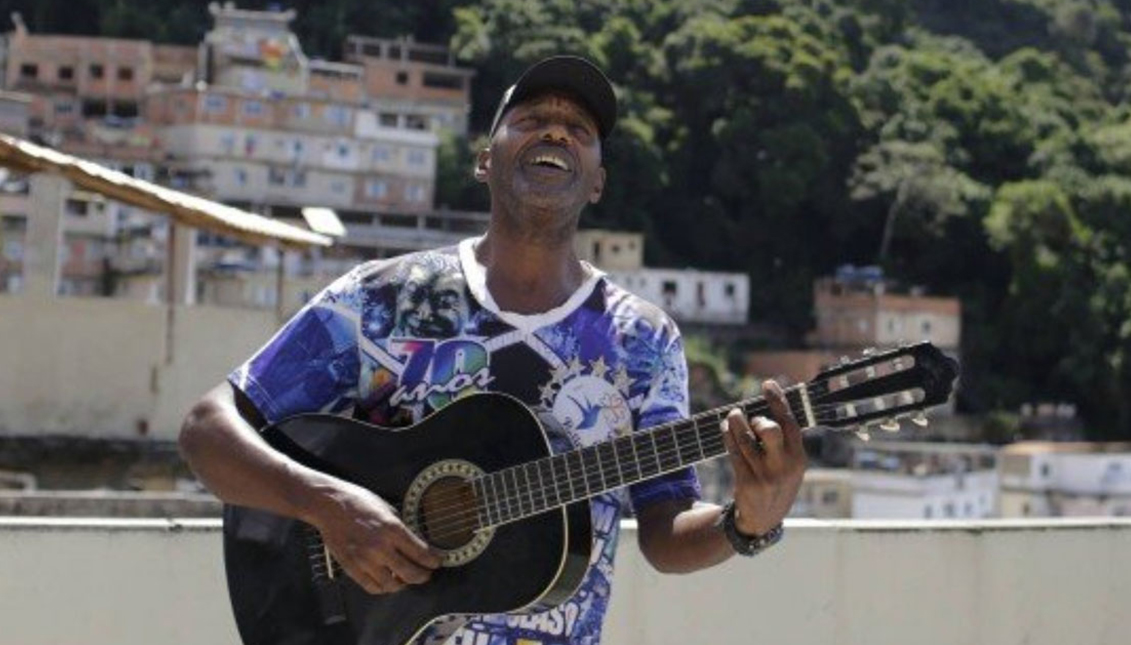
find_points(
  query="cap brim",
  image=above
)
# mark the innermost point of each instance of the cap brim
(571, 74)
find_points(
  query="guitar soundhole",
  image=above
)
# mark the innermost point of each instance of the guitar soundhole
(447, 516)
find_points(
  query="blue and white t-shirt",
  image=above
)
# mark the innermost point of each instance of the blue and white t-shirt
(394, 340)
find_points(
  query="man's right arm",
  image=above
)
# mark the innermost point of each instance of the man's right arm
(221, 444)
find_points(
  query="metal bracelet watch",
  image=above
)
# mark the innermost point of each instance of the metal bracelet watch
(747, 545)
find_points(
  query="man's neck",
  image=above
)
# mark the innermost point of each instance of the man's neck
(529, 275)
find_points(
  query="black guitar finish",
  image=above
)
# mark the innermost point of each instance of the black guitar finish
(534, 563)
(535, 503)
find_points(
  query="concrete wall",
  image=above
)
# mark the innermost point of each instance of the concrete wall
(986, 583)
(95, 367)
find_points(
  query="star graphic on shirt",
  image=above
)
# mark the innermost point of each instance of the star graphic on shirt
(598, 367)
(621, 381)
(574, 367)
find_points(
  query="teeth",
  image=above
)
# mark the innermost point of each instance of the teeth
(551, 160)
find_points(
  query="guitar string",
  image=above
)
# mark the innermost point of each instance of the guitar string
(602, 462)
(817, 390)
(521, 499)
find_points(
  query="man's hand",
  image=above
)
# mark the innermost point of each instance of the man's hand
(768, 457)
(374, 547)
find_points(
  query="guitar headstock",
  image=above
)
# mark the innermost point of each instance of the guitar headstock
(882, 387)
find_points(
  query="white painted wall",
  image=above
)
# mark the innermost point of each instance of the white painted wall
(87, 582)
(96, 367)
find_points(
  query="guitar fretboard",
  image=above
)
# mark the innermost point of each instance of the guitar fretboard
(538, 486)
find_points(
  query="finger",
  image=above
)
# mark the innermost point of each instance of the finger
(742, 439)
(779, 408)
(407, 571)
(769, 434)
(391, 582)
(416, 549)
(742, 473)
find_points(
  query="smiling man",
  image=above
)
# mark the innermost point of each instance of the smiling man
(514, 311)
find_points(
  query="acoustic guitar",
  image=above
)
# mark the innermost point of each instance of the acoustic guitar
(510, 517)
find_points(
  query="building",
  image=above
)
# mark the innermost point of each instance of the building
(689, 295)
(905, 479)
(1042, 478)
(245, 118)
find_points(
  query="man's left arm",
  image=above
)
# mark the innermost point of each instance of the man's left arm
(768, 458)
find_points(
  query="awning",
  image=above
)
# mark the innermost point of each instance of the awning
(187, 209)
(324, 221)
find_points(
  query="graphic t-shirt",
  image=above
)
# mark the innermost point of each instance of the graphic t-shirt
(394, 340)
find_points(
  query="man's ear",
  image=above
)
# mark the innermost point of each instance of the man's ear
(598, 186)
(482, 165)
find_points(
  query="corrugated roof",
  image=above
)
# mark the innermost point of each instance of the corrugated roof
(187, 209)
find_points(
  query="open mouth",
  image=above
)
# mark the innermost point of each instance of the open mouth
(552, 159)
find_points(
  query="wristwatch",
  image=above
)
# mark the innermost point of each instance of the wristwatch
(747, 545)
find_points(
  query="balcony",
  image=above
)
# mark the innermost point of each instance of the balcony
(1046, 582)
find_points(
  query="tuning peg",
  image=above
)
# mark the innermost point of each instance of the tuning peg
(920, 419)
(889, 425)
(868, 351)
(863, 435)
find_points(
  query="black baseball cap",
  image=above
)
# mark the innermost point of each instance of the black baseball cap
(572, 74)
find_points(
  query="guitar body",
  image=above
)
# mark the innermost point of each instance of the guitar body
(272, 561)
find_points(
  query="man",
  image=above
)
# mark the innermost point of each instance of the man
(513, 311)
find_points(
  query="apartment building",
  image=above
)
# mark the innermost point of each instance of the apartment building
(912, 479)
(248, 119)
(1045, 478)
(689, 295)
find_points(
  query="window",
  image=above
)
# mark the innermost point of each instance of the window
(337, 115)
(388, 120)
(402, 78)
(253, 108)
(301, 110)
(215, 103)
(382, 154)
(96, 71)
(668, 288)
(1045, 470)
(830, 497)
(928, 512)
(415, 193)
(64, 108)
(29, 71)
(415, 122)
(417, 157)
(125, 73)
(66, 73)
(241, 176)
(376, 189)
(728, 289)
(343, 150)
(948, 509)
(443, 81)
(14, 250)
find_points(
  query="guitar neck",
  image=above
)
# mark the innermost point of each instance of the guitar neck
(537, 486)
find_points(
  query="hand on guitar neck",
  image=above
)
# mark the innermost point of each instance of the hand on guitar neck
(366, 537)
(768, 458)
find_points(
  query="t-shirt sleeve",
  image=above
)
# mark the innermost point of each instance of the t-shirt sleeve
(312, 364)
(666, 401)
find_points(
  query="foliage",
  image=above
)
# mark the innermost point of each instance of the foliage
(978, 147)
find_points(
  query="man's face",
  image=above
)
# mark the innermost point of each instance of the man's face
(545, 154)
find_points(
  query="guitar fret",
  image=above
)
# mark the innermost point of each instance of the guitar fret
(482, 511)
(541, 489)
(698, 440)
(591, 474)
(529, 487)
(546, 474)
(500, 499)
(608, 479)
(517, 493)
(667, 449)
(563, 478)
(624, 444)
